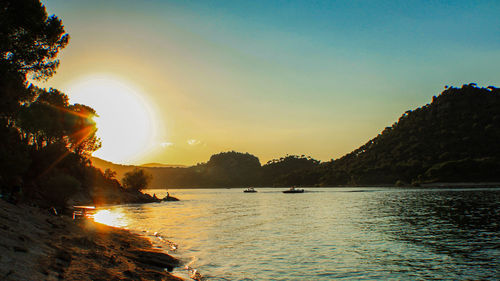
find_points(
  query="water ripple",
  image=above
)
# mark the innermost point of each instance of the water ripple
(325, 234)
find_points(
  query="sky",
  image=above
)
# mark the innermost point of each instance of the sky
(177, 81)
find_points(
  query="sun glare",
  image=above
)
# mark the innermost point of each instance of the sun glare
(111, 218)
(126, 124)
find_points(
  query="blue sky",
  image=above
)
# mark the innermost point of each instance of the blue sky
(274, 77)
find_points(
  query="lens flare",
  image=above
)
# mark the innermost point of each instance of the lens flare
(126, 122)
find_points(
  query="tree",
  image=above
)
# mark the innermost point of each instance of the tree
(42, 121)
(50, 119)
(109, 174)
(30, 39)
(136, 179)
(82, 138)
(29, 43)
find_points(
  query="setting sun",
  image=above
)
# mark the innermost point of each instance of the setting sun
(126, 125)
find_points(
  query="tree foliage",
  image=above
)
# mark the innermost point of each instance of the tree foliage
(109, 174)
(29, 43)
(46, 140)
(136, 179)
(232, 169)
(290, 170)
(30, 39)
(455, 138)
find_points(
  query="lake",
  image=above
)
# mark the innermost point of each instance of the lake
(324, 233)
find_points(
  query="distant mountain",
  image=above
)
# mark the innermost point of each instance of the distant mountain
(163, 176)
(118, 168)
(455, 138)
(160, 165)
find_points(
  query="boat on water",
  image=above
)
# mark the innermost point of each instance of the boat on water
(250, 190)
(294, 190)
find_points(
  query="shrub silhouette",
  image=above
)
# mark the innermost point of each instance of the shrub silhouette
(136, 180)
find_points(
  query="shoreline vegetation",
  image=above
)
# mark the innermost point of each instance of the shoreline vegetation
(40, 246)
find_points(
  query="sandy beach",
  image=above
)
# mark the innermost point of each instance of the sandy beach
(37, 245)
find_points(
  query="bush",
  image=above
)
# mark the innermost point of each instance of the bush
(136, 179)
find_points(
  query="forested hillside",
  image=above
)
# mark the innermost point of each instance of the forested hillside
(228, 169)
(455, 138)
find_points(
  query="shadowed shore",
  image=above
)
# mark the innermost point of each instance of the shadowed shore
(39, 246)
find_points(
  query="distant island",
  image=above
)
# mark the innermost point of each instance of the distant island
(454, 139)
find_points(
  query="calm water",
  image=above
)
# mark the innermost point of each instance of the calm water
(325, 234)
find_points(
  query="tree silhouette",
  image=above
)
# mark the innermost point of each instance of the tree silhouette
(30, 39)
(109, 174)
(46, 142)
(45, 139)
(29, 43)
(136, 180)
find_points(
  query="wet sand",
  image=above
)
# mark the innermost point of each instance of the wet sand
(35, 245)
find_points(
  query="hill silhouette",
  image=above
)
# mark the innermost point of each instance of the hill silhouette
(163, 176)
(225, 169)
(453, 139)
(155, 165)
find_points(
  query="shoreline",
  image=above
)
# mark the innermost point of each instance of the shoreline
(39, 246)
(422, 185)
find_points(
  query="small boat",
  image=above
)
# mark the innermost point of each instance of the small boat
(294, 190)
(250, 190)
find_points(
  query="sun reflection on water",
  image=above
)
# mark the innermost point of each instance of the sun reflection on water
(110, 217)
